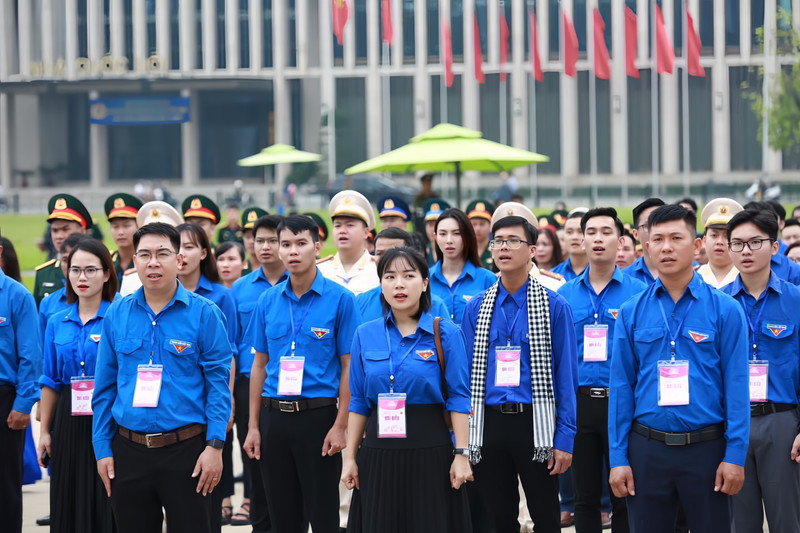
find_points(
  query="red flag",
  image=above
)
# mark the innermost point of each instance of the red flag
(537, 64)
(602, 64)
(665, 58)
(476, 46)
(386, 17)
(693, 49)
(504, 35)
(570, 47)
(631, 40)
(447, 53)
(339, 19)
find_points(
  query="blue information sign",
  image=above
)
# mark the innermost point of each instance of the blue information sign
(139, 110)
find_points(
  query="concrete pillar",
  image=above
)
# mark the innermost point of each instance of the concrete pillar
(773, 161)
(209, 29)
(422, 81)
(190, 142)
(232, 35)
(6, 139)
(745, 21)
(470, 95)
(163, 40)
(187, 34)
(98, 152)
(139, 25)
(47, 34)
(280, 86)
(374, 115)
(25, 32)
(720, 97)
(256, 35)
(518, 105)
(670, 111)
(569, 112)
(619, 94)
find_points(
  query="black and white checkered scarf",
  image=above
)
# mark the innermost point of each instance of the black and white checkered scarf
(541, 371)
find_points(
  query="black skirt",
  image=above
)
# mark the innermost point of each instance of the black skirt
(78, 500)
(405, 483)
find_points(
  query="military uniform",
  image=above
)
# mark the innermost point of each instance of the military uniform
(202, 207)
(323, 228)
(393, 207)
(121, 205)
(249, 217)
(716, 215)
(482, 209)
(433, 208)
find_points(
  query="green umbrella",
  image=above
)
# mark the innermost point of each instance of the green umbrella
(278, 153)
(449, 148)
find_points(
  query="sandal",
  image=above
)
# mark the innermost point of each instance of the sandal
(242, 516)
(227, 511)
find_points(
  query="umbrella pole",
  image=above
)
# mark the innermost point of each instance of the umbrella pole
(458, 184)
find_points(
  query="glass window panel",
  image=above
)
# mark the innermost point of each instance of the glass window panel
(434, 31)
(409, 39)
(174, 35)
(244, 33)
(351, 122)
(705, 26)
(83, 46)
(745, 146)
(700, 124)
(402, 110)
(267, 33)
(554, 13)
(603, 122)
(78, 138)
(358, 15)
(732, 26)
(453, 99)
(548, 122)
(756, 21)
(222, 44)
(457, 29)
(579, 21)
(640, 123)
(292, 27)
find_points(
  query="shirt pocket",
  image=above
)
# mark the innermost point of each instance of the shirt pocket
(376, 362)
(772, 331)
(180, 357)
(66, 354)
(647, 342)
(7, 344)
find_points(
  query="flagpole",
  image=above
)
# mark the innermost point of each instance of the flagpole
(654, 97)
(387, 117)
(533, 176)
(445, 178)
(685, 89)
(592, 112)
(331, 112)
(562, 48)
(503, 96)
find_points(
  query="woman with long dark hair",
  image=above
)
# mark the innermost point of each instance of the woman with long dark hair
(231, 262)
(548, 250)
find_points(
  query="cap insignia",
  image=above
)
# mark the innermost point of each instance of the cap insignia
(119, 202)
(723, 210)
(252, 216)
(155, 213)
(480, 206)
(348, 200)
(388, 204)
(196, 204)
(60, 204)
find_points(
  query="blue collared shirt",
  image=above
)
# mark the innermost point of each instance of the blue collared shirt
(564, 350)
(190, 340)
(565, 269)
(414, 363)
(325, 319)
(369, 305)
(712, 337)
(222, 297)
(585, 303)
(67, 343)
(777, 335)
(785, 268)
(50, 304)
(20, 343)
(246, 292)
(639, 271)
(473, 280)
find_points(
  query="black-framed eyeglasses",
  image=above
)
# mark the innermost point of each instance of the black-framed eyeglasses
(161, 255)
(755, 244)
(513, 244)
(89, 272)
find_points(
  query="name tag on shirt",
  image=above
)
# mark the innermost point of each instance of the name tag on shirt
(392, 416)
(290, 377)
(673, 383)
(82, 390)
(595, 343)
(507, 369)
(759, 378)
(148, 386)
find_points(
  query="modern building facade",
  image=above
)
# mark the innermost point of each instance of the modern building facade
(102, 92)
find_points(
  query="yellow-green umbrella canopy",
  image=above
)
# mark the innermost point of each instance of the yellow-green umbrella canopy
(278, 153)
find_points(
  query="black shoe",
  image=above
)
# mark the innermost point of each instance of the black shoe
(43, 521)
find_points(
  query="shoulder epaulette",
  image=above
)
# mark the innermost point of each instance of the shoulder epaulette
(114, 255)
(553, 275)
(47, 264)
(324, 259)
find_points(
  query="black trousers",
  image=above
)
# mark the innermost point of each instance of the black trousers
(259, 512)
(507, 452)
(12, 445)
(148, 479)
(300, 483)
(590, 455)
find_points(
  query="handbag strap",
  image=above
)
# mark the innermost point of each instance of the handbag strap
(437, 337)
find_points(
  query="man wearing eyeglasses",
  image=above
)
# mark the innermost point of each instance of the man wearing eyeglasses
(161, 402)
(719, 271)
(643, 268)
(524, 379)
(771, 470)
(781, 265)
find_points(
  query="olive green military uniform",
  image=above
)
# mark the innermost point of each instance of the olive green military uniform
(483, 209)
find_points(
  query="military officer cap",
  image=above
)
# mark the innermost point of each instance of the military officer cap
(435, 207)
(250, 215)
(67, 207)
(201, 206)
(558, 217)
(393, 206)
(718, 212)
(578, 211)
(352, 204)
(480, 209)
(323, 227)
(122, 205)
(157, 211)
(514, 209)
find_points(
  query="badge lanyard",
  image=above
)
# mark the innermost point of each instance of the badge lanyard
(82, 387)
(392, 406)
(290, 375)
(597, 303)
(674, 336)
(758, 369)
(148, 377)
(673, 376)
(403, 357)
(755, 326)
(296, 330)
(510, 326)
(595, 336)
(508, 358)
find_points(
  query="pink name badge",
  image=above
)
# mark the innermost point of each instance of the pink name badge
(290, 378)
(595, 343)
(82, 390)
(507, 370)
(148, 386)
(392, 416)
(759, 379)
(673, 383)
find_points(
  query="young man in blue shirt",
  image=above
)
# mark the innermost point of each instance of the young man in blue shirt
(771, 481)
(20, 368)
(678, 421)
(524, 380)
(595, 297)
(782, 266)
(161, 400)
(643, 268)
(302, 330)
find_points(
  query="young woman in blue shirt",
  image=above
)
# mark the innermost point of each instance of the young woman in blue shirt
(407, 476)
(78, 501)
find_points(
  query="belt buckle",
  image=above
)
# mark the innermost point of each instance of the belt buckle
(287, 407)
(510, 409)
(149, 436)
(675, 439)
(598, 392)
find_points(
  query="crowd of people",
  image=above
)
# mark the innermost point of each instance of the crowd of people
(491, 371)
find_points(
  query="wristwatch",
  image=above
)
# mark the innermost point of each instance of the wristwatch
(461, 451)
(216, 443)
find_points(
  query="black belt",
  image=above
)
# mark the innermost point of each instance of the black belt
(767, 408)
(707, 433)
(594, 392)
(7, 388)
(159, 440)
(296, 406)
(510, 408)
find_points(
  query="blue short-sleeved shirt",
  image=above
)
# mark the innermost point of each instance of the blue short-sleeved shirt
(785, 268)
(473, 280)
(511, 310)
(414, 362)
(712, 337)
(67, 343)
(246, 292)
(20, 343)
(585, 303)
(565, 269)
(325, 318)
(51, 304)
(222, 297)
(190, 340)
(776, 336)
(639, 271)
(370, 308)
